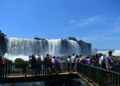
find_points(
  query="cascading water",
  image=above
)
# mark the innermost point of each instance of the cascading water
(114, 52)
(22, 48)
(105, 52)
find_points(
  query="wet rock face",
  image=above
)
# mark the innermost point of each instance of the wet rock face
(2, 46)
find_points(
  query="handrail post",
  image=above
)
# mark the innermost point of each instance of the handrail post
(25, 68)
(98, 75)
(58, 68)
(43, 69)
(89, 72)
(5, 71)
(100, 83)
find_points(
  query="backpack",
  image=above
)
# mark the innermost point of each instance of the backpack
(47, 60)
(78, 60)
(103, 61)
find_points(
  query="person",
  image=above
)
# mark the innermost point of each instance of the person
(53, 64)
(102, 61)
(119, 60)
(114, 59)
(1, 66)
(33, 61)
(110, 61)
(94, 60)
(73, 61)
(39, 64)
(57, 61)
(82, 60)
(47, 63)
(87, 61)
(30, 63)
(77, 62)
(68, 63)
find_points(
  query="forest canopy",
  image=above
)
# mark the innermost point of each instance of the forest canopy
(2, 34)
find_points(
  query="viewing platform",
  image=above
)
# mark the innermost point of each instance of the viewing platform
(93, 76)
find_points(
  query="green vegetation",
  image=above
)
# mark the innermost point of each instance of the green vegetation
(37, 38)
(72, 38)
(79, 41)
(2, 34)
(64, 57)
(7, 60)
(18, 62)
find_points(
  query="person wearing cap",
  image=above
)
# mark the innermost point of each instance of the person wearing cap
(109, 61)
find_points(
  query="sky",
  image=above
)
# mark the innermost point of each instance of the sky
(93, 21)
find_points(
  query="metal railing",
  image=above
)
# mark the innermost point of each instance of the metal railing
(100, 76)
(12, 69)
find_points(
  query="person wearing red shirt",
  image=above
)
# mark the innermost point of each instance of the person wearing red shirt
(1, 66)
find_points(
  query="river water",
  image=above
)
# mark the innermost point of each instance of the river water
(41, 83)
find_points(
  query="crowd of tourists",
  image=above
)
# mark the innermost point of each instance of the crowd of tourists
(103, 61)
(36, 64)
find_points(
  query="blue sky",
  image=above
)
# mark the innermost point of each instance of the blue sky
(94, 21)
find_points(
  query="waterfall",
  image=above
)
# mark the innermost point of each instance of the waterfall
(22, 48)
(114, 52)
(105, 52)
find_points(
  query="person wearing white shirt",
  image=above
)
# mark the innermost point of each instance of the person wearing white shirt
(73, 61)
(68, 63)
(102, 61)
(53, 59)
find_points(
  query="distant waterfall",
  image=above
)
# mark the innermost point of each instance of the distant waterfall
(114, 52)
(26, 47)
(105, 52)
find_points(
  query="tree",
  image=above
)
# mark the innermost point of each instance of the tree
(19, 62)
(72, 38)
(8, 64)
(2, 34)
(7, 60)
(37, 38)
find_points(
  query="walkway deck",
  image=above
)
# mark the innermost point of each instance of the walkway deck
(38, 77)
(87, 72)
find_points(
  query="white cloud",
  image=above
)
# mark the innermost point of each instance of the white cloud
(105, 34)
(117, 21)
(109, 27)
(116, 29)
(72, 21)
(99, 38)
(91, 20)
